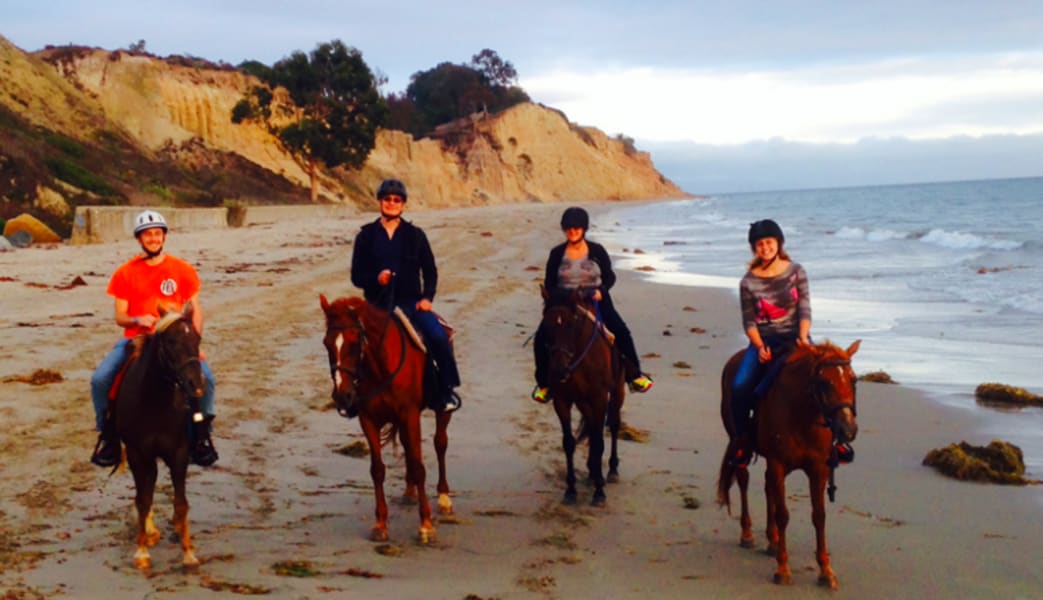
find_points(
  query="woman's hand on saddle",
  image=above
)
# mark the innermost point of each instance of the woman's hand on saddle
(764, 353)
(423, 304)
(384, 277)
(803, 341)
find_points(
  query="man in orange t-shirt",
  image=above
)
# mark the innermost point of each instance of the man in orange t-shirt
(140, 286)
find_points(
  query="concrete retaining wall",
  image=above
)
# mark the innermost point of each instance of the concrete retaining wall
(100, 224)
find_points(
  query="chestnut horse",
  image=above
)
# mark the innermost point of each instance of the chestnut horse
(808, 409)
(378, 375)
(152, 418)
(586, 372)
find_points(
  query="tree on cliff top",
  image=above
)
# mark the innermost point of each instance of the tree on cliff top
(337, 107)
(449, 92)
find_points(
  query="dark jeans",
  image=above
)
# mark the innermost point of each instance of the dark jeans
(437, 341)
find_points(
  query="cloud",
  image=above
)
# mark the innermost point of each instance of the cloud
(825, 103)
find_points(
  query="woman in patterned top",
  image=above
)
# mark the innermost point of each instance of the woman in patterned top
(580, 263)
(776, 316)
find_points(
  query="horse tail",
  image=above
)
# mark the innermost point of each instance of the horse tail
(724, 481)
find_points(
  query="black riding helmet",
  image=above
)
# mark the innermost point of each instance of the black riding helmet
(575, 216)
(765, 229)
(390, 187)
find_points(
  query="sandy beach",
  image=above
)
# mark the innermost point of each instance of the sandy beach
(281, 492)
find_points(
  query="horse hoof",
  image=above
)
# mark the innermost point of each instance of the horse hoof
(190, 561)
(612, 477)
(569, 499)
(783, 579)
(747, 542)
(142, 562)
(829, 581)
(598, 499)
(445, 505)
(378, 534)
(426, 536)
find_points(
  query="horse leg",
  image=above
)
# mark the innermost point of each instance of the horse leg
(817, 482)
(568, 442)
(145, 472)
(614, 421)
(746, 539)
(445, 504)
(775, 482)
(409, 496)
(596, 433)
(416, 474)
(379, 532)
(178, 474)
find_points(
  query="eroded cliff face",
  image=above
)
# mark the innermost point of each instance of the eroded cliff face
(528, 153)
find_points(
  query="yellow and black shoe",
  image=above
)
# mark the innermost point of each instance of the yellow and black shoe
(641, 384)
(540, 394)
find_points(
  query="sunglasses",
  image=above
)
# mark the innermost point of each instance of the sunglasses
(392, 199)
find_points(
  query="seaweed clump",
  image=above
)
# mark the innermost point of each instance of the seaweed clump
(998, 393)
(999, 462)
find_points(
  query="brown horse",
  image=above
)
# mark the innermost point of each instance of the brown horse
(378, 375)
(807, 411)
(585, 372)
(152, 416)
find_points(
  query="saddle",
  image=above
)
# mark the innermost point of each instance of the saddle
(431, 391)
(414, 335)
(134, 348)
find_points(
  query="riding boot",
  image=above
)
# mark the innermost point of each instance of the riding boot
(203, 452)
(451, 401)
(741, 451)
(107, 449)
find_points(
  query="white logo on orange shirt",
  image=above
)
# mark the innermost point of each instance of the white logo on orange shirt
(168, 287)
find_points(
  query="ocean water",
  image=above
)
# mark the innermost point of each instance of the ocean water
(942, 282)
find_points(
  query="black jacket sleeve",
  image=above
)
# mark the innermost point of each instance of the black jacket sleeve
(427, 264)
(364, 267)
(550, 277)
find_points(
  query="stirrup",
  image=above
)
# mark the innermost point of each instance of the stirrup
(452, 402)
(203, 452)
(740, 459)
(845, 453)
(641, 384)
(106, 452)
(541, 394)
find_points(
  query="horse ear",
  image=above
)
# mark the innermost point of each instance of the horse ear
(853, 348)
(324, 302)
(162, 309)
(187, 309)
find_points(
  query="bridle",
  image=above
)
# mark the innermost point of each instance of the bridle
(820, 391)
(357, 376)
(567, 350)
(177, 370)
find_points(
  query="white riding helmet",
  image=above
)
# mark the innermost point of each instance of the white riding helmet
(147, 220)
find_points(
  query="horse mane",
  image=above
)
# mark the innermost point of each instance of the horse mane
(167, 320)
(816, 352)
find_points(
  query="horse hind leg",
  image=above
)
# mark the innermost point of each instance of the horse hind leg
(416, 475)
(445, 503)
(145, 484)
(775, 483)
(826, 576)
(614, 422)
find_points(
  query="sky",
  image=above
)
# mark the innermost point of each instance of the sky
(726, 96)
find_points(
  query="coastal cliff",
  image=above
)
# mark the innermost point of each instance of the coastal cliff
(175, 114)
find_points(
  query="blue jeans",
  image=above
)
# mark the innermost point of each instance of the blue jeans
(105, 374)
(437, 342)
(753, 378)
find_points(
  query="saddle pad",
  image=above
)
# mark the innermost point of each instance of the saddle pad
(414, 335)
(611, 337)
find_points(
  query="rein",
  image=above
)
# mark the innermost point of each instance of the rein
(819, 391)
(176, 370)
(356, 377)
(590, 344)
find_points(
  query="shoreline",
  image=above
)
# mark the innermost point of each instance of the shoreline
(282, 492)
